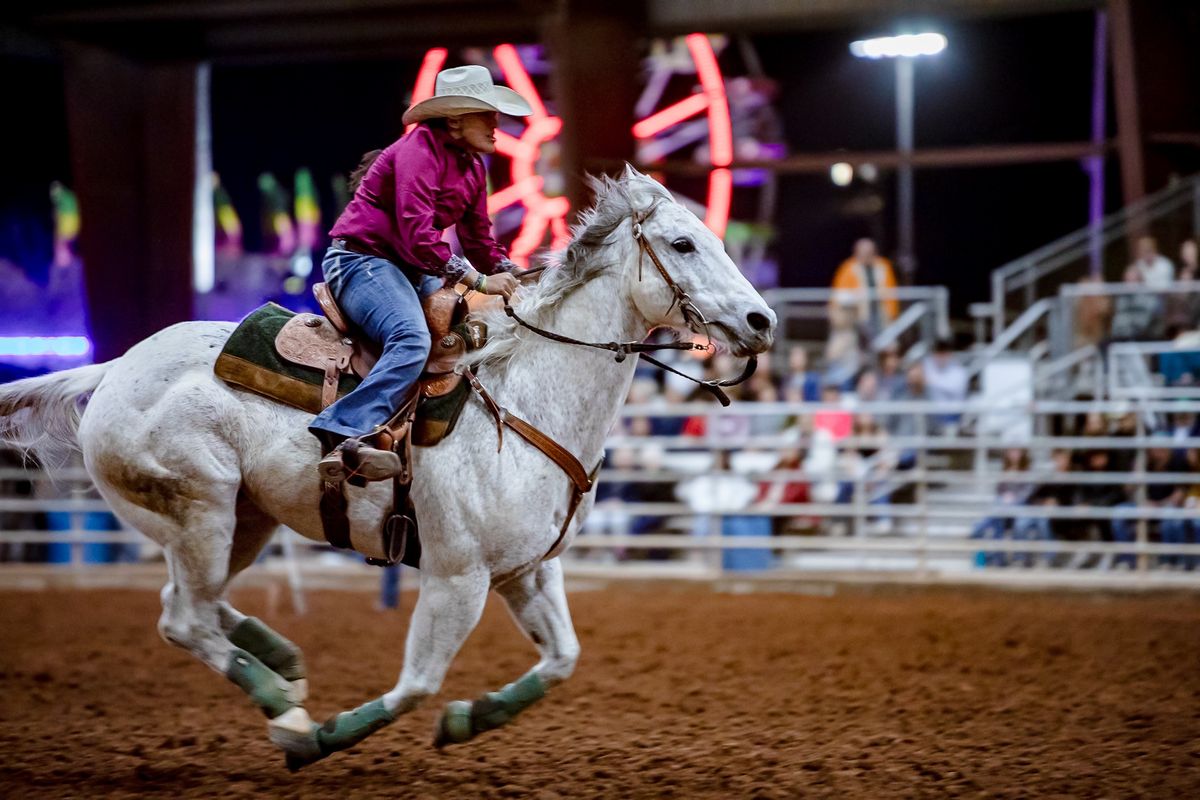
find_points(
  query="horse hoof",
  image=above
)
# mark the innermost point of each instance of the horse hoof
(297, 763)
(454, 726)
(295, 734)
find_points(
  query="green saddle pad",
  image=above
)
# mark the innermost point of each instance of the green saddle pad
(249, 360)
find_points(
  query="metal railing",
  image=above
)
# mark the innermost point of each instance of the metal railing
(949, 482)
(1130, 376)
(925, 316)
(1173, 210)
(1047, 329)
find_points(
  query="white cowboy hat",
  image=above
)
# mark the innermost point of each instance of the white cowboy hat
(462, 90)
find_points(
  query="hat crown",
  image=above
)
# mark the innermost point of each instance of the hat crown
(468, 81)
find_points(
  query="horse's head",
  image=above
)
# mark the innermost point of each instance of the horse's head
(722, 301)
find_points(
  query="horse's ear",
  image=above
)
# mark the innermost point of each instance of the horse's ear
(630, 173)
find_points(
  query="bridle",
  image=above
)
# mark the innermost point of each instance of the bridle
(692, 316)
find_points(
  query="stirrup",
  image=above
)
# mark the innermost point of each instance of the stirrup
(352, 459)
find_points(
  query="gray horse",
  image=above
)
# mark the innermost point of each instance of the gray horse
(209, 471)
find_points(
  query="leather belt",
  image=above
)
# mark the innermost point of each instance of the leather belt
(357, 247)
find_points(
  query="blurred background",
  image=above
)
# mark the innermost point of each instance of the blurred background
(976, 219)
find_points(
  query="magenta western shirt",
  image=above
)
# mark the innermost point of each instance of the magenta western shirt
(420, 185)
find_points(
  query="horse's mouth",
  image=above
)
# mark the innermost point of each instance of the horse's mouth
(738, 344)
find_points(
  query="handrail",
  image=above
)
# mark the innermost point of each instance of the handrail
(1076, 244)
(819, 294)
(1076, 290)
(1027, 320)
(1139, 208)
(936, 299)
(936, 476)
(909, 317)
(1048, 371)
(888, 407)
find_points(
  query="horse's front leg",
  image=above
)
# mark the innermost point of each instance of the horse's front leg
(538, 603)
(447, 610)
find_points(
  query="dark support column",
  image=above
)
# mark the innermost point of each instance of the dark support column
(132, 130)
(596, 49)
(1129, 126)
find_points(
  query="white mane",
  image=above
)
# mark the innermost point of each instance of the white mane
(592, 251)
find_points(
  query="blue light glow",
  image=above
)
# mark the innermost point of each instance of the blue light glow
(60, 346)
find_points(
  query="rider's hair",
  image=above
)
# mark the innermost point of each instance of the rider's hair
(360, 172)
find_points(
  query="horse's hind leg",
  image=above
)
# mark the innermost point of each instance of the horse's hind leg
(538, 603)
(253, 531)
(292, 729)
(447, 610)
(198, 543)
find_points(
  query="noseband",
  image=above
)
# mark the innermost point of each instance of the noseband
(692, 316)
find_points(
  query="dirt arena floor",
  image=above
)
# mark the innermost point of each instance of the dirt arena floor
(678, 694)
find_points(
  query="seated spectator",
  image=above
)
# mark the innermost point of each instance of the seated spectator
(1093, 314)
(1053, 495)
(766, 424)
(866, 388)
(1134, 314)
(1125, 427)
(1096, 495)
(1182, 309)
(1184, 425)
(1153, 269)
(837, 422)
(869, 463)
(1159, 495)
(843, 351)
(907, 424)
(785, 491)
(946, 380)
(1008, 493)
(808, 383)
(891, 377)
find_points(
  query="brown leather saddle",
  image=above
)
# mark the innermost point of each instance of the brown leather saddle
(330, 344)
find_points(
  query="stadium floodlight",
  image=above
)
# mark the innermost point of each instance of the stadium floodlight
(841, 173)
(909, 45)
(904, 50)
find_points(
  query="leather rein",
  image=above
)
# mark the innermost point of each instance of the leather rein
(691, 316)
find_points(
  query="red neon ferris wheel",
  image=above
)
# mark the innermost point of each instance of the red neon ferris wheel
(547, 212)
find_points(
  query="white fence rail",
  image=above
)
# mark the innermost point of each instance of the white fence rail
(950, 485)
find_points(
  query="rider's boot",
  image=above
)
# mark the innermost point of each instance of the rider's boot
(354, 458)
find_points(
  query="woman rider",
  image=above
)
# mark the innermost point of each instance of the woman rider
(388, 252)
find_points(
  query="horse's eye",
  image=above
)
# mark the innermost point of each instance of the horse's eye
(683, 246)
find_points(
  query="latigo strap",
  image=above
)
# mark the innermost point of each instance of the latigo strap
(581, 481)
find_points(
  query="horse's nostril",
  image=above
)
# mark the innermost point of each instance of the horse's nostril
(758, 322)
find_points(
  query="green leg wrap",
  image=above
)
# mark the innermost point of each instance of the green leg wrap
(351, 727)
(279, 654)
(462, 721)
(269, 691)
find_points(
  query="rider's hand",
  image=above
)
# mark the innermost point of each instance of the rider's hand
(502, 283)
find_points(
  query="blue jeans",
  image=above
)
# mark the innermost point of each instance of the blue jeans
(992, 528)
(1035, 529)
(1123, 531)
(385, 305)
(1178, 531)
(1171, 531)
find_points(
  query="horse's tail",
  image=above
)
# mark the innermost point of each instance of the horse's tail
(42, 414)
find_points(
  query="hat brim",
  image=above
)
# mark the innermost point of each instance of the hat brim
(503, 99)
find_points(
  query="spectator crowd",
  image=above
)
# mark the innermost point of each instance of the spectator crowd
(848, 452)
